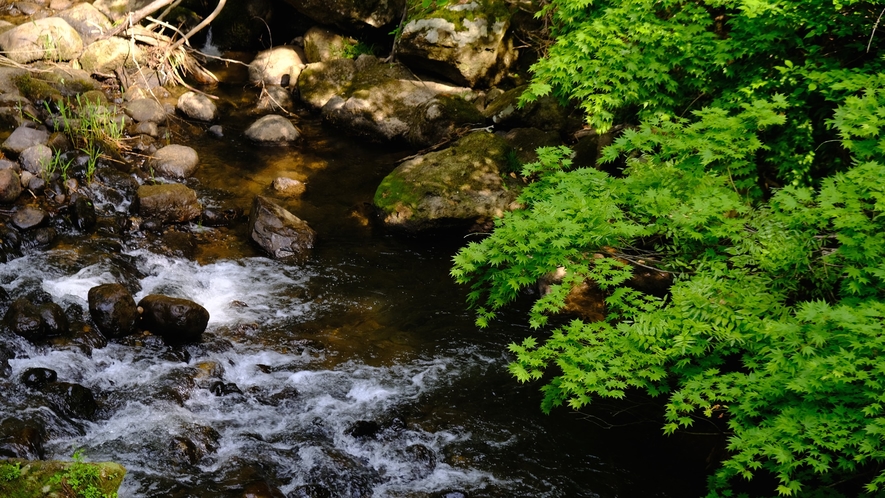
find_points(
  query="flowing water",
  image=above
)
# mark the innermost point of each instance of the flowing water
(358, 371)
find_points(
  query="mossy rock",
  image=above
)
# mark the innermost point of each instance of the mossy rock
(28, 479)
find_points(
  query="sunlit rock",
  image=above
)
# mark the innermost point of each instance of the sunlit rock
(465, 42)
(279, 232)
(197, 106)
(273, 129)
(177, 321)
(145, 109)
(87, 20)
(50, 38)
(322, 45)
(465, 185)
(386, 102)
(174, 161)
(22, 138)
(170, 203)
(277, 66)
(35, 322)
(10, 186)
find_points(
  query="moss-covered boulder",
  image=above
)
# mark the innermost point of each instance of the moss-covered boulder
(465, 42)
(50, 38)
(466, 185)
(385, 102)
(28, 478)
(105, 56)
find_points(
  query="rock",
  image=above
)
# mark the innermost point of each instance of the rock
(50, 38)
(525, 141)
(219, 388)
(21, 439)
(84, 216)
(42, 478)
(386, 102)
(26, 217)
(279, 232)
(42, 237)
(310, 491)
(273, 130)
(177, 321)
(10, 244)
(261, 489)
(190, 448)
(36, 158)
(71, 400)
(113, 310)
(545, 113)
(171, 203)
(271, 66)
(105, 56)
(148, 128)
(7, 164)
(351, 14)
(363, 429)
(273, 98)
(216, 131)
(288, 186)
(459, 186)
(174, 161)
(321, 45)
(423, 460)
(10, 186)
(37, 378)
(22, 138)
(197, 106)
(465, 42)
(35, 322)
(145, 109)
(89, 22)
(5, 356)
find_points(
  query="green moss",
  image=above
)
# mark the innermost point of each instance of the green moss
(35, 89)
(77, 479)
(491, 10)
(394, 192)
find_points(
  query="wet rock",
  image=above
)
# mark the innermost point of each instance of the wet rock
(178, 244)
(176, 320)
(190, 448)
(175, 161)
(21, 439)
(449, 494)
(288, 186)
(261, 489)
(10, 244)
(363, 429)
(273, 130)
(41, 237)
(22, 138)
(351, 14)
(24, 43)
(113, 310)
(423, 460)
(219, 217)
(462, 185)
(34, 322)
(171, 203)
(279, 232)
(10, 186)
(105, 56)
(72, 400)
(271, 66)
(465, 42)
(274, 98)
(197, 106)
(310, 491)
(219, 388)
(36, 158)
(145, 109)
(5, 356)
(277, 398)
(37, 378)
(216, 131)
(343, 475)
(84, 216)
(27, 217)
(89, 22)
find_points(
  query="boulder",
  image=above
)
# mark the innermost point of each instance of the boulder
(27, 217)
(279, 232)
(174, 161)
(116, 9)
(351, 14)
(71, 400)
(176, 320)
(321, 45)
(36, 158)
(113, 310)
(89, 22)
(10, 186)
(465, 42)
(170, 203)
(22, 138)
(22, 439)
(273, 129)
(288, 186)
(197, 106)
(544, 113)
(461, 186)
(386, 102)
(525, 142)
(35, 322)
(83, 214)
(37, 378)
(10, 246)
(145, 109)
(273, 98)
(50, 38)
(277, 66)
(105, 56)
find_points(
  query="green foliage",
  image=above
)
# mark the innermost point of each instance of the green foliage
(755, 176)
(81, 480)
(10, 471)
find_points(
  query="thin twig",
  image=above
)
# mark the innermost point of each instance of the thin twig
(870, 43)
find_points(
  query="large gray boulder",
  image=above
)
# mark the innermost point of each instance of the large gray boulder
(170, 202)
(176, 320)
(465, 42)
(279, 232)
(174, 161)
(351, 14)
(277, 66)
(50, 38)
(197, 106)
(89, 22)
(23, 138)
(465, 185)
(106, 56)
(386, 102)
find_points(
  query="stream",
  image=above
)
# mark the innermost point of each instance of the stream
(358, 372)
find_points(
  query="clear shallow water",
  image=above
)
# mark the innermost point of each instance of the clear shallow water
(359, 369)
